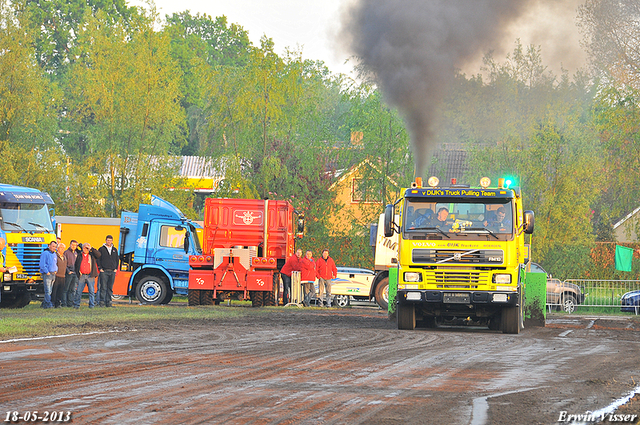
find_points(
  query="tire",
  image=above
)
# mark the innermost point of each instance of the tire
(151, 290)
(406, 316)
(168, 297)
(194, 297)
(341, 301)
(206, 297)
(116, 297)
(271, 297)
(382, 293)
(569, 303)
(511, 319)
(20, 301)
(256, 298)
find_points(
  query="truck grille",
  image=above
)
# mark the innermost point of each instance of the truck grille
(493, 257)
(457, 279)
(29, 257)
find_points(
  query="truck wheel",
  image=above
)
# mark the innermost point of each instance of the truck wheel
(167, 299)
(194, 297)
(256, 298)
(406, 317)
(569, 303)
(382, 294)
(511, 318)
(151, 290)
(342, 301)
(20, 301)
(206, 297)
(271, 297)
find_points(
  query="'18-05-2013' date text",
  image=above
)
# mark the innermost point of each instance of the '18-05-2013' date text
(35, 416)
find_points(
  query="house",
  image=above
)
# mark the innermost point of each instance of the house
(626, 230)
(359, 197)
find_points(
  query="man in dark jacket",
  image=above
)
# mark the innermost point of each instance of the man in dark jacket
(108, 264)
(87, 270)
(71, 278)
(289, 267)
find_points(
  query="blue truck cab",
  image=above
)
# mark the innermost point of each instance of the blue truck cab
(155, 245)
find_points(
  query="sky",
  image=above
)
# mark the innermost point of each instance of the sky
(313, 25)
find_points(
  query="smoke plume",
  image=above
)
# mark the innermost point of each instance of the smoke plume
(414, 46)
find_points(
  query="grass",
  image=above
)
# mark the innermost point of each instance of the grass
(32, 321)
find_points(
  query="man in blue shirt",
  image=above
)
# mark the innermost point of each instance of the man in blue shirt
(48, 269)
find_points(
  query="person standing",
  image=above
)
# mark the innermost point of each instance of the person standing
(326, 272)
(108, 264)
(3, 269)
(292, 265)
(71, 278)
(86, 270)
(307, 276)
(58, 283)
(48, 269)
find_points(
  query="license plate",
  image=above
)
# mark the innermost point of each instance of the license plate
(22, 276)
(456, 298)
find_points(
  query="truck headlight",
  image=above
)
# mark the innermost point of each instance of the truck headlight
(501, 278)
(7, 277)
(412, 277)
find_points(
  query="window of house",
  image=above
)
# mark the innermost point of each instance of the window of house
(365, 190)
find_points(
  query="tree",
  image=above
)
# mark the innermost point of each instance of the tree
(612, 37)
(27, 101)
(124, 104)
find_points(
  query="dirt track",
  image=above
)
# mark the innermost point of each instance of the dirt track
(323, 366)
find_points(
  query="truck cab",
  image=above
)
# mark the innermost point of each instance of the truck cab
(155, 245)
(461, 254)
(25, 225)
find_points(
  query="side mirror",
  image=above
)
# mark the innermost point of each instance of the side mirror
(187, 238)
(388, 221)
(300, 225)
(528, 222)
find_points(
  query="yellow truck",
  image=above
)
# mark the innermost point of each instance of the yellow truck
(461, 255)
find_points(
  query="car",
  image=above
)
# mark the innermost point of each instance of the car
(352, 283)
(564, 295)
(630, 302)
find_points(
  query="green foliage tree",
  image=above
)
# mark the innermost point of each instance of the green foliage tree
(27, 102)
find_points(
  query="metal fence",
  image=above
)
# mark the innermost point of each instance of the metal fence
(573, 294)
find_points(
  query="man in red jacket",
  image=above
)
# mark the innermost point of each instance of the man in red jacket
(326, 271)
(292, 265)
(307, 276)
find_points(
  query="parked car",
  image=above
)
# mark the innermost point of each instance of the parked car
(564, 295)
(352, 283)
(631, 302)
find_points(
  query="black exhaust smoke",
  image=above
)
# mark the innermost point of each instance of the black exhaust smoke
(413, 48)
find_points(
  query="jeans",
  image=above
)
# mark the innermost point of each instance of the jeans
(107, 278)
(90, 282)
(48, 286)
(307, 288)
(56, 293)
(69, 293)
(286, 291)
(326, 285)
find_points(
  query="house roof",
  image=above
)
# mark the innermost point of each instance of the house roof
(449, 163)
(346, 175)
(627, 217)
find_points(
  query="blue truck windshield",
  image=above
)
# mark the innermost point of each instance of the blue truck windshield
(456, 218)
(25, 218)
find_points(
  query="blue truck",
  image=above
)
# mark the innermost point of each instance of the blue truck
(155, 245)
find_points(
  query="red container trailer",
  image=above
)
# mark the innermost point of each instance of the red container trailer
(246, 242)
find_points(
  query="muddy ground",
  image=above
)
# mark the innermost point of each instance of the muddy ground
(330, 366)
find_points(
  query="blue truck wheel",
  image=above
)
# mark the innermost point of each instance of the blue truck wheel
(151, 290)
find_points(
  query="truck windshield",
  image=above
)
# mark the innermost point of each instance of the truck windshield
(480, 219)
(25, 218)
